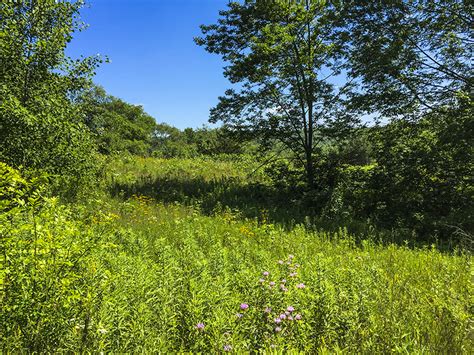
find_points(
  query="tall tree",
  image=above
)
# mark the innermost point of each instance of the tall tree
(40, 127)
(282, 55)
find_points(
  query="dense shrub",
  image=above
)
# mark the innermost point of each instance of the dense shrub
(40, 126)
(411, 176)
(424, 174)
(48, 140)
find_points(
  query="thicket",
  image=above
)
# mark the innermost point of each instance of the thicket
(411, 176)
(41, 129)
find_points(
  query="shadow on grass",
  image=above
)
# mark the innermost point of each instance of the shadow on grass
(250, 200)
(266, 203)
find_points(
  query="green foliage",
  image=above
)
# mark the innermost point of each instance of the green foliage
(184, 269)
(423, 180)
(416, 176)
(34, 35)
(216, 251)
(208, 184)
(170, 142)
(40, 128)
(136, 275)
(285, 60)
(408, 60)
(412, 56)
(117, 126)
(48, 280)
(12, 185)
(212, 142)
(48, 141)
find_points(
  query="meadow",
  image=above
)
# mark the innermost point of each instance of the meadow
(151, 262)
(329, 208)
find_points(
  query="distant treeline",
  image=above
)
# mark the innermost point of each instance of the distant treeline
(119, 127)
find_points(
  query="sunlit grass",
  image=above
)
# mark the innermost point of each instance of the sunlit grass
(134, 274)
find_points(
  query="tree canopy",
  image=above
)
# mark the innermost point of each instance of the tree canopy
(409, 57)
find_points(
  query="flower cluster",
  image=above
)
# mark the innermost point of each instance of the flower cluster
(283, 318)
(280, 320)
(243, 307)
(227, 348)
(291, 270)
(288, 316)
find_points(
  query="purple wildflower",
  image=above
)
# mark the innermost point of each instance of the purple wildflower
(291, 256)
(298, 317)
(268, 310)
(272, 284)
(277, 320)
(283, 316)
(227, 348)
(283, 281)
(239, 315)
(200, 326)
(266, 273)
(290, 309)
(293, 274)
(262, 280)
(278, 329)
(244, 306)
(290, 318)
(300, 285)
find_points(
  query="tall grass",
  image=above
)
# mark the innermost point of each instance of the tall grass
(239, 184)
(140, 275)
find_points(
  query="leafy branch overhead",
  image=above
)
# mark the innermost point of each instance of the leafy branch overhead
(411, 57)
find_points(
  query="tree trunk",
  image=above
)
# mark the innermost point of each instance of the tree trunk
(309, 168)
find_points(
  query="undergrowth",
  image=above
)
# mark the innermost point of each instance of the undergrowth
(137, 274)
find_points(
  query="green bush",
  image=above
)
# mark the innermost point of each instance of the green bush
(423, 176)
(48, 141)
(50, 280)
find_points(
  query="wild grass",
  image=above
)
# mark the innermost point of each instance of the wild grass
(136, 274)
(209, 184)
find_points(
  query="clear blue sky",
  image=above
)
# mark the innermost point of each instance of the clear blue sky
(154, 61)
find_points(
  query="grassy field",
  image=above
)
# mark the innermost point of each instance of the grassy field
(211, 185)
(170, 259)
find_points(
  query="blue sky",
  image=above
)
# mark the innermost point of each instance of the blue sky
(154, 61)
